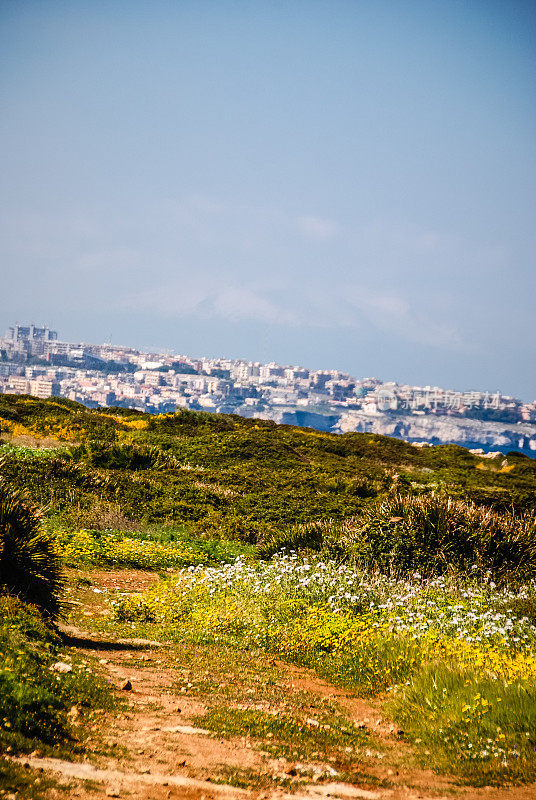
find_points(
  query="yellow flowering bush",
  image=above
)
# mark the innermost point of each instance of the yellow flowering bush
(127, 549)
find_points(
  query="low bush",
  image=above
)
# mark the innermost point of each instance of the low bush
(123, 456)
(433, 534)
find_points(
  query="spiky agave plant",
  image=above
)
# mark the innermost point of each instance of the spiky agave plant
(29, 564)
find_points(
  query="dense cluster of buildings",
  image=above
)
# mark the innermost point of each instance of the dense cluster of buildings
(34, 361)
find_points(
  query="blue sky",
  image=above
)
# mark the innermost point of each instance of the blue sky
(338, 184)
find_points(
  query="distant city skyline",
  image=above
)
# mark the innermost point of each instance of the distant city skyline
(45, 333)
(35, 361)
(343, 185)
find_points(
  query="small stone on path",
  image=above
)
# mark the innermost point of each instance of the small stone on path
(127, 686)
(61, 666)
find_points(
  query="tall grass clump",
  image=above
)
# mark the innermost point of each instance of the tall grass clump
(29, 564)
(481, 727)
(435, 534)
(432, 534)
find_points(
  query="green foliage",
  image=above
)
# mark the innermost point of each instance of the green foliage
(227, 477)
(29, 564)
(190, 422)
(113, 367)
(131, 457)
(30, 453)
(23, 783)
(433, 534)
(156, 492)
(35, 693)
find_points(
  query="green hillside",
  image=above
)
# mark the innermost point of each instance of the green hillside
(208, 477)
(226, 475)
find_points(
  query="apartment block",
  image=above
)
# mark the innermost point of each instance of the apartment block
(44, 388)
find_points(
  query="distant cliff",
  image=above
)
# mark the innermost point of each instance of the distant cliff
(471, 433)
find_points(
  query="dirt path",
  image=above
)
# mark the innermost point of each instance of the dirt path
(160, 753)
(163, 754)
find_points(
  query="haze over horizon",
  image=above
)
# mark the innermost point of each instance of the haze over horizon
(345, 185)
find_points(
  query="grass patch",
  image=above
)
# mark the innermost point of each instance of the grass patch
(327, 738)
(25, 783)
(47, 692)
(482, 729)
(247, 778)
(226, 674)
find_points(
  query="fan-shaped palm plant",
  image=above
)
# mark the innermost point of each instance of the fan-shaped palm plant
(29, 564)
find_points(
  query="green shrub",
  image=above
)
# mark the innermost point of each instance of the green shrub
(122, 456)
(308, 537)
(431, 534)
(29, 565)
(434, 534)
(234, 478)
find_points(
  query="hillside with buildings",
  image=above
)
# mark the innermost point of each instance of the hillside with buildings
(35, 361)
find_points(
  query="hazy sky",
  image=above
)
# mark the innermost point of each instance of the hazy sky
(338, 184)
